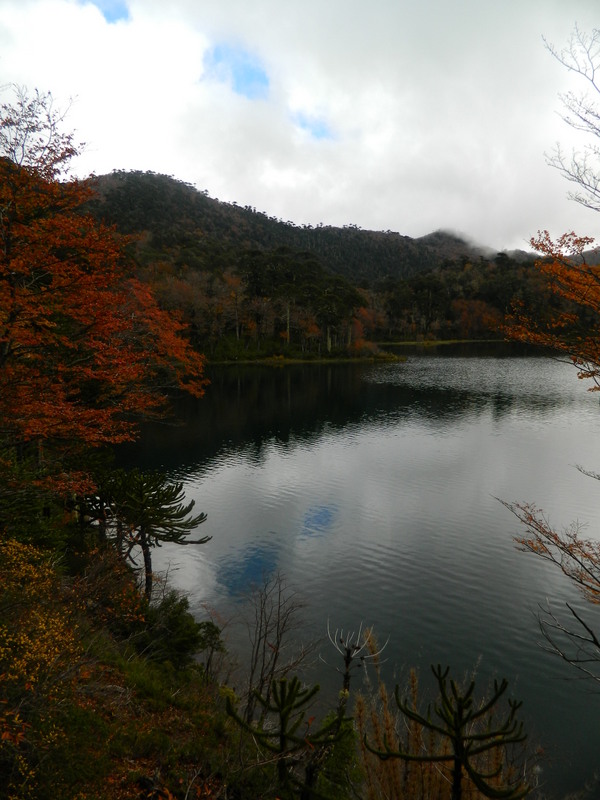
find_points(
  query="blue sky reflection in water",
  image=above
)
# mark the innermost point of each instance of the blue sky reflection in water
(318, 520)
(373, 489)
(238, 573)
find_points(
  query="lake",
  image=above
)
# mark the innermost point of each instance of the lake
(373, 488)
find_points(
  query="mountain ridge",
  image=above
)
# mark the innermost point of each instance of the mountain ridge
(167, 212)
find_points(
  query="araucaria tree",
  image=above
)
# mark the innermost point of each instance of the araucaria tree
(295, 742)
(138, 510)
(85, 351)
(472, 741)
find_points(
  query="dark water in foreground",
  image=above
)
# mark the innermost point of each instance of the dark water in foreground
(373, 489)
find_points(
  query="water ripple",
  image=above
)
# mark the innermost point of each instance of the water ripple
(388, 516)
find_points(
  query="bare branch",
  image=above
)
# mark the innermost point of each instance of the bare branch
(578, 559)
(579, 646)
(581, 112)
(274, 616)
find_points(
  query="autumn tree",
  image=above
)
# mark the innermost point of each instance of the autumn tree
(569, 325)
(85, 350)
(567, 263)
(40, 656)
(578, 557)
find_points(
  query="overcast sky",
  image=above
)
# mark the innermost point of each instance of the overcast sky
(407, 115)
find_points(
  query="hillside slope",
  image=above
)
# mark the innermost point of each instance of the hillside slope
(173, 215)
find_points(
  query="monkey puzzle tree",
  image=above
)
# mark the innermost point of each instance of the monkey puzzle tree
(85, 351)
(293, 739)
(145, 510)
(471, 732)
(155, 513)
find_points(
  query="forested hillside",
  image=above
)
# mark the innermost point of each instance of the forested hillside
(248, 284)
(174, 213)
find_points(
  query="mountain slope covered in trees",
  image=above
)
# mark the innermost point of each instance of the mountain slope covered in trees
(250, 285)
(175, 214)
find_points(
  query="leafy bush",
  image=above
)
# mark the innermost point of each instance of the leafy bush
(171, 634)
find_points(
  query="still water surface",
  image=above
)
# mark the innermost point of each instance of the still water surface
(373, 489)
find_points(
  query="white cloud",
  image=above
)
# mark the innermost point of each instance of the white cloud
(387, 114)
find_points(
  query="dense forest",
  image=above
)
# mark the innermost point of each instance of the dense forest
(248, 284)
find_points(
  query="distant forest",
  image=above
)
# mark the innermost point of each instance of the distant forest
(250, 285)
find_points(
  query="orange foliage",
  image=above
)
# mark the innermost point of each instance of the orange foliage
(570, 325)
(84, 348)
(367, 321)
(37, 637)
(475, 317)
(578, 558)
(53, 677)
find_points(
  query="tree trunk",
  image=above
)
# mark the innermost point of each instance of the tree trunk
(145, 545)
(457, 780)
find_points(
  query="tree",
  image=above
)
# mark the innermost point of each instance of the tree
(470, 731)
(579, 559)
(431, 300)
(41, 653)
(85, 351)
(294, 740)
(275, 617)
(143, 510)
(582, 113)
(569, 325)
(356, 650)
